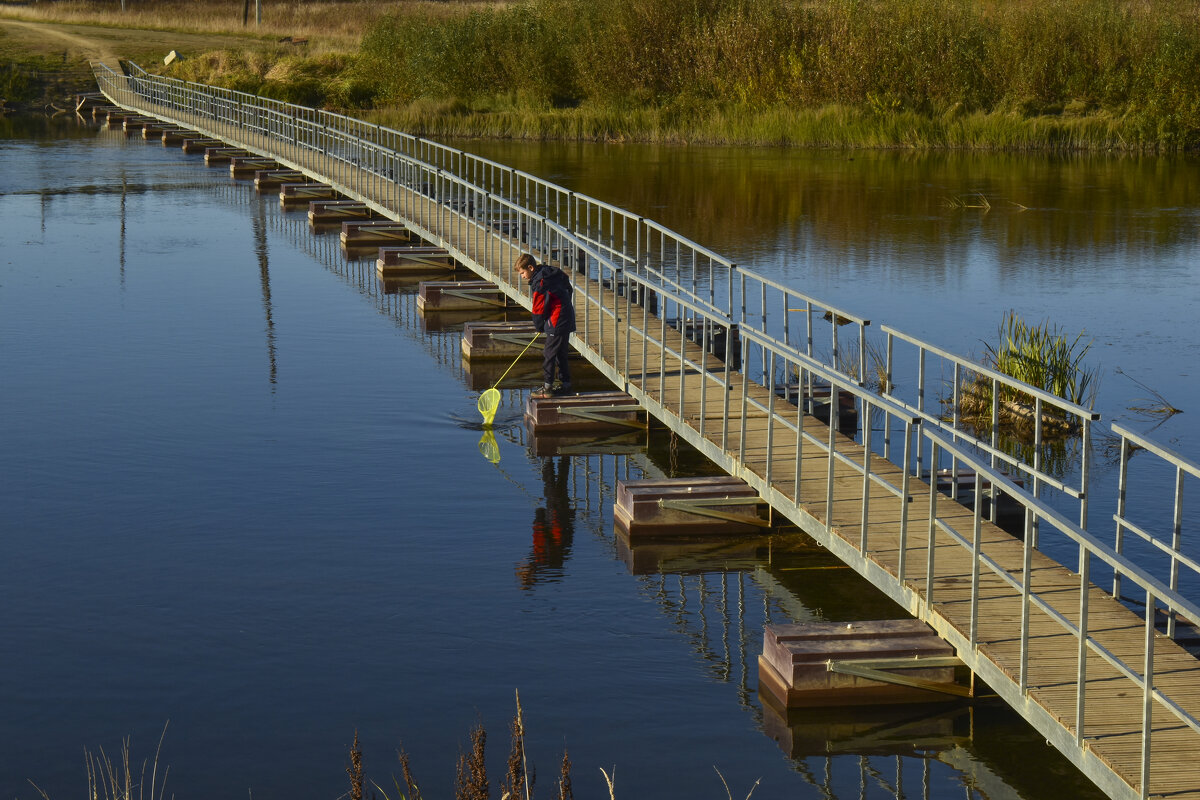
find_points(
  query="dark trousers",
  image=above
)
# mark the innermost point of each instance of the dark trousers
(554, 358)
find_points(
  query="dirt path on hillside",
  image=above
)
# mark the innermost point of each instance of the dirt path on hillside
(64, 50)
(75, 41)
(39, 36)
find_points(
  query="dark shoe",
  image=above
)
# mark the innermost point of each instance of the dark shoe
(563, 390)
(543, 393)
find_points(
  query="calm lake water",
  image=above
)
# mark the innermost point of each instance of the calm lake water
(241, 488)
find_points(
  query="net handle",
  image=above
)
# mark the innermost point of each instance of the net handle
(515, 360)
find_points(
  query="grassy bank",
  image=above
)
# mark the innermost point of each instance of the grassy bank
(1058, 75)
(872, 73)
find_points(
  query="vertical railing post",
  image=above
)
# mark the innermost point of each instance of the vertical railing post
(886, 391)
(830, 461)
(931, 551)
(921, 410)
(866, 482)
(799, 445)
(976, 557)
(1085, 567)
(1176, 544)
(1122, 482)
(905, 476)
(770, 419)
(1148, 693)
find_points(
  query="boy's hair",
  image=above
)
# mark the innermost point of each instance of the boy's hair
(526, 261)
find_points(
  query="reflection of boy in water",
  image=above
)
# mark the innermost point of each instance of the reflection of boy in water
(553, 526)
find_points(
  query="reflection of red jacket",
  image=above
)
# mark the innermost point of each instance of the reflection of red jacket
(551, 294)
(547, 536)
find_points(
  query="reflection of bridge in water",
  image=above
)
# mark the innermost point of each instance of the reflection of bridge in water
(716, 595)
(729, 361)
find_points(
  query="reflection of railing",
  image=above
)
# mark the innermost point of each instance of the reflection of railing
(709, 349)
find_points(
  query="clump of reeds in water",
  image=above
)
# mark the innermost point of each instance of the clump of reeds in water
(1040, 356)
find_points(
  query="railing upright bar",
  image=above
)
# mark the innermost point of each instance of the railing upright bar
(905, 474)
(931, 542)
(866, 481)
(799, 442)
(1085, 568)
(770, 421)
(1176, 544)
(976, 559)
(1026, 588)
(830, 461)
(1037, 464)
(744, 411)
(704, 375)
(1148, 694)
(921, 410)
(683, 340)
(886, 390)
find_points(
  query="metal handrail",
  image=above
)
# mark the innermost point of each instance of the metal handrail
(962, 370)
(1089, 546)
(1129, 441)
(643, 245)
(375, 161)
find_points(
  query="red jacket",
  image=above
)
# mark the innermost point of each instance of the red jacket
(553, 311)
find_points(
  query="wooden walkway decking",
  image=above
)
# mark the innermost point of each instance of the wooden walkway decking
(1111, 750)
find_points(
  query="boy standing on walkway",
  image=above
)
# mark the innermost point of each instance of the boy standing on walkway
(554, 315)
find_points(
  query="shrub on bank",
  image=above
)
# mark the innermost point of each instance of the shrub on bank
(938, 59)
(17, 84)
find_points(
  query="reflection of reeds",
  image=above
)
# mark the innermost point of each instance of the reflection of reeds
(1155, 406)
(976, 200)
(1038, 355)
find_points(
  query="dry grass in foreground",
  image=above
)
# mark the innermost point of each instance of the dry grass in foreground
(122, 780)
(109, 780)
(471, 782)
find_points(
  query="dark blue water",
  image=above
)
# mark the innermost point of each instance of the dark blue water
(241, 491)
